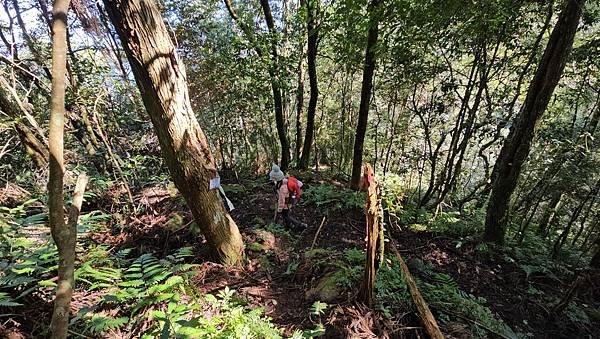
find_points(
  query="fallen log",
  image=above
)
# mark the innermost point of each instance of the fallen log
(427, 317)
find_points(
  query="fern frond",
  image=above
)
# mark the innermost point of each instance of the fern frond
(7, 301)
(99, 323)
(14, 280)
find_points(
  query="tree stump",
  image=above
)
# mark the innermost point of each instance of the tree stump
(374, 234)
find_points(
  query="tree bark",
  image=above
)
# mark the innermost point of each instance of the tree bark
(374, 234)
(66, 241)
(62, 235)
(161, 78)
(516, 148)
(365, 92)
(312, 10)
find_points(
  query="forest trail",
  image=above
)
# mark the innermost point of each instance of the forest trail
(283, 275)
(479, 120)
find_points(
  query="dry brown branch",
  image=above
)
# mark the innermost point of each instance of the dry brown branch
(317, 234)
(427, 317)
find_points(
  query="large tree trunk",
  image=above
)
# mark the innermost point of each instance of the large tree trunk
(161, 78)
(516, 148)
(312, 10)
(273, 71)
(61, 234)
(365, 92)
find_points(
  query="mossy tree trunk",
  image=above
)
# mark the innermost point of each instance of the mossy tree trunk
(161, 78)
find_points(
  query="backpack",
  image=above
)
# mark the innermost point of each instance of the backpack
(294, 187)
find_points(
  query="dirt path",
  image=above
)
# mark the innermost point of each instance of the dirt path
(277, 275)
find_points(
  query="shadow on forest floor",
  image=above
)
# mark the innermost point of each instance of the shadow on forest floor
(279, 277)
(285, 274)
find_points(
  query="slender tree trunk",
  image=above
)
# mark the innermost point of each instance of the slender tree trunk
(516, 148)
(161, 78)
(442, 186)
(66, 241)
(365, 92)
(277, 99)
(469, 127)
(590, 231)
(394, 124)
(550, 213)
(526, 220)
(273, 71)
(585, 217)
(299, 110)
(343, 114)
(582, 224)
(562, 238)
(312, 10)
(63, 236)
(592, 123)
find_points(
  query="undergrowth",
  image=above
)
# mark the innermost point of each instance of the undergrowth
(332, 197)
(444, 297)
(119, 295)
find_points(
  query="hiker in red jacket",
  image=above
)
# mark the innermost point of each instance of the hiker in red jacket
(288, 193)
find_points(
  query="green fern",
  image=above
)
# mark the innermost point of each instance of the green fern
(444, 279)
(14, 280)
(333, 197)
(99, 277)
(100, 323)
(25, 261)
(34, 220)
(7, 301)
(318, 308)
